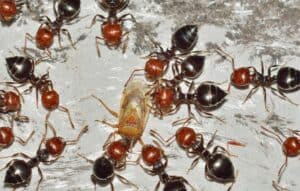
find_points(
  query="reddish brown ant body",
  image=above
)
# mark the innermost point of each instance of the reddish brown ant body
(21, 70)
(113, 33)
(290, 148)
(9, 9)
(154, 156)
(19, 171)
(113, 159)
(218, 166)
(287, 79)
(7, 136)
(65, 11)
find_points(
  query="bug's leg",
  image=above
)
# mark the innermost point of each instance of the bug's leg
(115, 114)
(75, 141)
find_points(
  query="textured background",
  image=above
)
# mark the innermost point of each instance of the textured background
(246, 29)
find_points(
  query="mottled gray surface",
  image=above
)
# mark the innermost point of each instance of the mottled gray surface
(245, 29)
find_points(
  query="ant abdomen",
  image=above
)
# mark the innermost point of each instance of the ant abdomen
(103, 171)
(18, 174)
(185, 38)
(192, 66)
(288, 79)
(20, 68)
(220, 168)
(175, 186)
(209, 95)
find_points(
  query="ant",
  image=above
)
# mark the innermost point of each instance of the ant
(65, 11)
(207, 96)
(183, 41)
(218, 166)
(112, 25)
(133, 114)
(7, 136)
(10, 101)
(19, 171)
(287, 79)
(290, 148)
(21, 70)
(113, 159)
(155, 157)
(10, 8)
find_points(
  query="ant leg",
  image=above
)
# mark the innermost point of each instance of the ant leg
(165, 142)
(148, 171)
(125, 36)
(85, 158)
(194, 163)
(45, 20)
(98, 41)
(282, 169)
(101, 19)
(17, 155)
(262, 66)
(282, 95)
(41, 178)
(8, 164)
(207, 176)
(111, 186)
(133, 73)
(67, 33)
(275, 136)
(208, 115)
(109, 140)
(123, 18)
(115, 114)
(21, 118)
(252, 91)
(107, 123)
(226, 56)
(30, 38)
(157, 186)
(82, 131)
(48, 124)
(210, 142)
(265, 99)
(59, 40)
(54, 8)
(126, 181)
(94, 180)
(222, 150)
(64, 109)
(277, 187)
(24, 142)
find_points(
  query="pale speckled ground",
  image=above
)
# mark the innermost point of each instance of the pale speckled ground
(245, 29)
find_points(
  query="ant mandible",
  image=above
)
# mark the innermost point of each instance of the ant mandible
(19, 172)
(218, 166)
(112, 25)
(21, 70)
(154, 156)
(65, 11)
(104, 167)
(290, 148)
(287, 79)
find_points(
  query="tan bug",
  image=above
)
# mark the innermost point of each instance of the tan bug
(133, 114)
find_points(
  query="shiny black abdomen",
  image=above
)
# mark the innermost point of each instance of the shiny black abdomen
(192, 66)
(185, 38)
(288, 79)
(209, 95)
(19, 68)
(103, 170)
(220, 168)
(174, 186)
(18, 174)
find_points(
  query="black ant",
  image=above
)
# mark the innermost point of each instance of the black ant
(113, 159)
(112, 25)
(65, 11)
(155, 157)
(21, 70)
(218, 166)
(287, 79)
(19, 172)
